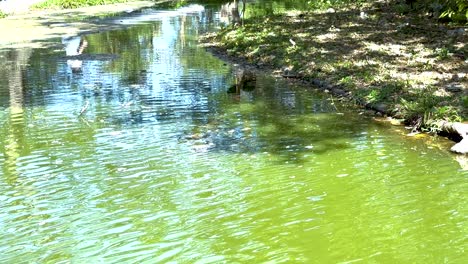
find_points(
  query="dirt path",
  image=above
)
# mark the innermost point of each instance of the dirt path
(35, 28)
(17, 6)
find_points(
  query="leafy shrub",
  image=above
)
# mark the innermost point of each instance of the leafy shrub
(416, 105)
(424, 108)
(454, 10)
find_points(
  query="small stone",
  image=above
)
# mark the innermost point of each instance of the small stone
(381, 107)
(396, 122)
(456, 32)
(363, 15)
(454, 87)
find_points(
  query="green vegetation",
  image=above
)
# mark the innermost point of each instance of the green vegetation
(443, 8)
(2, 15)
(54, 4)
(174, 4)
(413, 66)
(456, 10)
(450, 10)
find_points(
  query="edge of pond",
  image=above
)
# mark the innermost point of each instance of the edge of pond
(455, 131)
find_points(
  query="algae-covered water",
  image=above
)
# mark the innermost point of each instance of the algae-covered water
(133, 152)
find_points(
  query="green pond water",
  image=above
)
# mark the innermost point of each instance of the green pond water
(139, 155)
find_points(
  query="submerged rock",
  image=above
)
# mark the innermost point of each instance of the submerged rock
(245, 80)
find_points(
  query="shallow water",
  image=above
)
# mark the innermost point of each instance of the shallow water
(140, 156)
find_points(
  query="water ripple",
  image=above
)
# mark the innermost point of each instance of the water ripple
(147, 159)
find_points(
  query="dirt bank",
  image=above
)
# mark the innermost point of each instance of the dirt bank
(36, 28)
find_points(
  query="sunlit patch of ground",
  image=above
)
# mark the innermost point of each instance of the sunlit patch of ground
(34, 28)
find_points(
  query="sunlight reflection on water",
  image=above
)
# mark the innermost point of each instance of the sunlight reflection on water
(163, 165)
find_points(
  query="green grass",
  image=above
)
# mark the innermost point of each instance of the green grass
(68, 4)
(2, 15)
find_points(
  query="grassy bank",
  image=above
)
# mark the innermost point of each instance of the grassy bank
(407, 66)
(68, 4)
